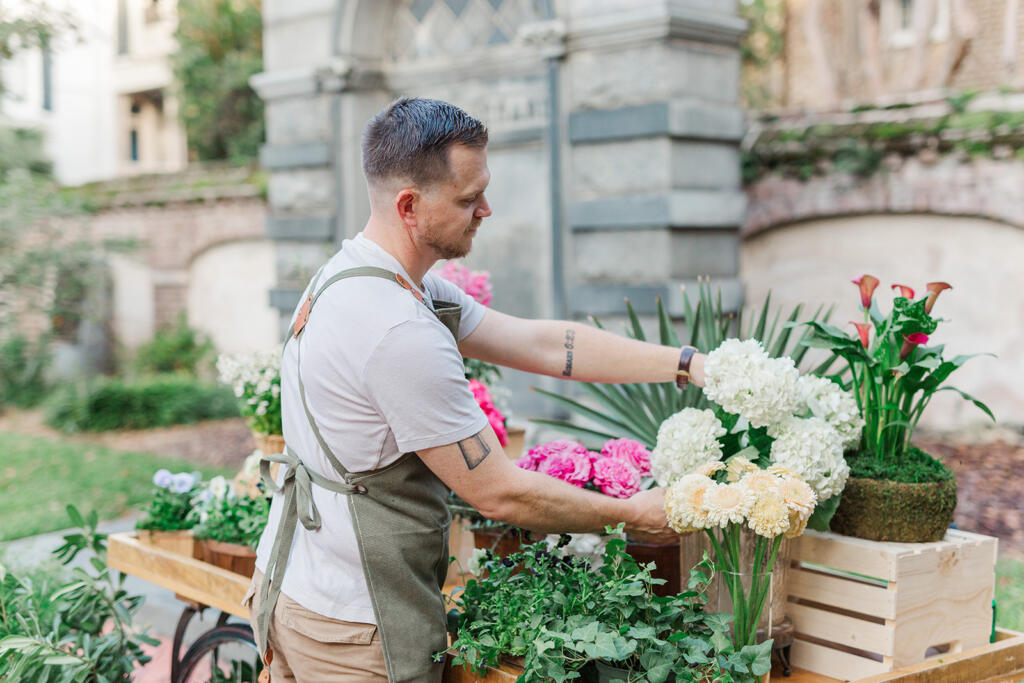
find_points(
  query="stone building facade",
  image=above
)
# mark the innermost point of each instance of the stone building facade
(614, 138)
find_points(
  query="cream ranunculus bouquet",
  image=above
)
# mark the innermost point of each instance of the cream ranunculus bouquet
(762, 461)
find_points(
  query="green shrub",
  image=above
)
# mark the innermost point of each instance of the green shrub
(156, 401)
(22, 371)
(175, 348)
(72, 625)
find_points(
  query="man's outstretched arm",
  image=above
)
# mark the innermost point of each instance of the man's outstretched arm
(573, 350)
(478, 470)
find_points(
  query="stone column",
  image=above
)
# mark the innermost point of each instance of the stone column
(654, 196)
(312, 95)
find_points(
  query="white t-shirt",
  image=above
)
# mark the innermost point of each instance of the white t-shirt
(383, 377)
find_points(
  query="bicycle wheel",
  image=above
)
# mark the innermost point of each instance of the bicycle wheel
(225, 654)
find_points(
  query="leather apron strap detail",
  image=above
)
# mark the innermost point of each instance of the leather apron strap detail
(400, 521)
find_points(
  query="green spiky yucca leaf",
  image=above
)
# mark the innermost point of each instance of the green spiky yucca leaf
(637, 410)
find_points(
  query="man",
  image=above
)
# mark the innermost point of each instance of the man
(380, 422)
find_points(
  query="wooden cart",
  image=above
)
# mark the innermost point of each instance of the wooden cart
(199, 585)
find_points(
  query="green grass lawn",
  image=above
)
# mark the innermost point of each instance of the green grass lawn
(1010, 594)
(40, 476)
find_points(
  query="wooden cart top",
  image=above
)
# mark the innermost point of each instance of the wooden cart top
(191, 579)
(205, 584)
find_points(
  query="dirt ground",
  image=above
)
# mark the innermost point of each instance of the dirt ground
(219, 443)
(989, 467)
(989, 463)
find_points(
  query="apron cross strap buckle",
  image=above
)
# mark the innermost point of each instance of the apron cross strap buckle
(303, 317)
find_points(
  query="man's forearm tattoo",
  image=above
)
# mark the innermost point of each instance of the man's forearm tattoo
(474, 450)
(570, 339)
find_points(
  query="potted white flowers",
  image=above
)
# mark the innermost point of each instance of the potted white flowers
(256, 381)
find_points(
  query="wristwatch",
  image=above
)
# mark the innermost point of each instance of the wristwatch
(683, 373)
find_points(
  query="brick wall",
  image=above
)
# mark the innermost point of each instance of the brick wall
(981, 69)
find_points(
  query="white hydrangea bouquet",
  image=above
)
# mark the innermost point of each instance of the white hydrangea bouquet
(769, 414)
(766, 457)
(256, 381)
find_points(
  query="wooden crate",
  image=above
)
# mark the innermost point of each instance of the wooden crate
(189, 578)
(862, 608)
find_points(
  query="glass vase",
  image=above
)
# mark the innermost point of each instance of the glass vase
(748, 597)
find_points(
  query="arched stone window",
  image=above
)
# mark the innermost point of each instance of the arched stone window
(423, 29)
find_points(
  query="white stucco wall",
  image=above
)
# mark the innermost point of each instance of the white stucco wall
(133, 319)
(813, 262)
(227, 296)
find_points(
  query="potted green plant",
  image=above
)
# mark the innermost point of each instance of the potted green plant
(167, 523)
(229, 525)
(896, 491)
(566, 619)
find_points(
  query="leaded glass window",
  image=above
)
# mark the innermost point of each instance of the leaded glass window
(422, 29)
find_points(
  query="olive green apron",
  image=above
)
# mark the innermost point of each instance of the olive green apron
(400, 521)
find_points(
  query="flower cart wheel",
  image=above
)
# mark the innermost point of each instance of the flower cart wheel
(224, 654)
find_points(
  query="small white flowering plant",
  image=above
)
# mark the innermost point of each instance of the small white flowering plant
(223, 510)
(256, 381)
(169, 508)
(765, 412)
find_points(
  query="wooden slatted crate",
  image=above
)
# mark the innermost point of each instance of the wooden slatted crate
(862, 608)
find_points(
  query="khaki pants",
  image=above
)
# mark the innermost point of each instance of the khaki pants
(310, 648)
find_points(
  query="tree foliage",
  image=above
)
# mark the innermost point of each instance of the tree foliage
(220, 47)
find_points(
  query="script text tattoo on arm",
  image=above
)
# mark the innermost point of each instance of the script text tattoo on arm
(474, 450)
(570, 338)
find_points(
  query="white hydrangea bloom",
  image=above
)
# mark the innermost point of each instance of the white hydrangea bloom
(686, 440)
(824, 398)
(743, 379)
(813, 450)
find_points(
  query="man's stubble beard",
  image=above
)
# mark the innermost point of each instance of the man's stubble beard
(452, 249)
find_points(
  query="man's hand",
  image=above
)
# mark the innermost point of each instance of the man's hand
(650, 524)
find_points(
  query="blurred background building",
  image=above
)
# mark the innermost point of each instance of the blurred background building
(636, 145)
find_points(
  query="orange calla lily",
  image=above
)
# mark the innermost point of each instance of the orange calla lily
(864, 330)
(867, 285)
(934, 289)
(905, 292)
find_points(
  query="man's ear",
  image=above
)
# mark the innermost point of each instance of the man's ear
(406, 204)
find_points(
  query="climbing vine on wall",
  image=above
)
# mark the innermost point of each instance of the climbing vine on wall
(859, 145)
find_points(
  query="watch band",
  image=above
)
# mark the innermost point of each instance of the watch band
(683, 373)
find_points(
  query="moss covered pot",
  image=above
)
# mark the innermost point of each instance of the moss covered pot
(883, 510)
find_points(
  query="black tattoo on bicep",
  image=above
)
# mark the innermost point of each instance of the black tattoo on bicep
(474, 450)
(570, 343)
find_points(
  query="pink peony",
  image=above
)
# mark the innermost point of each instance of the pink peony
(569, 466)
(615, 477)
(476, 283)
(528, 462)
(631, 452)
(540, 454)
(486, 403)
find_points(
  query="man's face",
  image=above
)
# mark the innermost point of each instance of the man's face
(453, 209)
